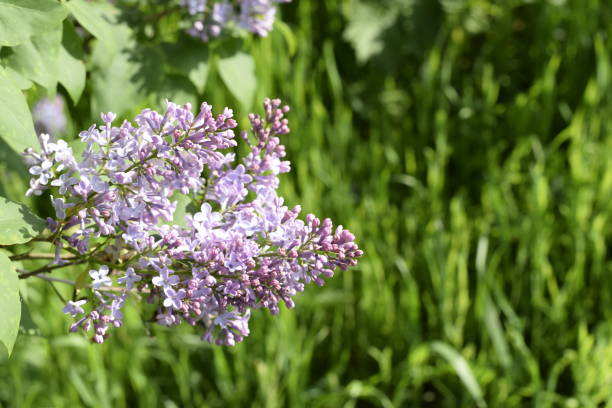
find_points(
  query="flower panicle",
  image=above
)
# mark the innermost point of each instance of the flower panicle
(239, 248)
(208, 19)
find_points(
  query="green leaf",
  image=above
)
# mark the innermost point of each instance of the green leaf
(182, 202)
(238, 74)
(462, 369)
(114, 75)
(98, 18)
(14, 176)
(26, 323)
(17, 79)
(190, 58)
(72, 75)
(178, 89)
(72, 72)
(10, 305)
(121, 86)
(82, 279)
(78, 147)
(37, 59)
(367, 22)
(16, 127)
(288, 35)
(21, 19)
(18, 224)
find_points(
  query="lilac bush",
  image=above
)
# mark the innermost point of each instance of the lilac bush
(208, 18)
(240, 248)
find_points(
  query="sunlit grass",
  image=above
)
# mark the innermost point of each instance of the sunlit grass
(478, 180)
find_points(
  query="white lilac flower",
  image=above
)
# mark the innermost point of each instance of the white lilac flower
(41, 170)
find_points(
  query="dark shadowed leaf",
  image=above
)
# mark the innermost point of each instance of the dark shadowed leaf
(178, 89)
(26, 324)
(366, 25)
(14, 175)
(190, 58)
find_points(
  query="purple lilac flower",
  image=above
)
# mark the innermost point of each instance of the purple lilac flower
(209, 18)
(74, 308)
(257, 16)
(165, 279)
(173, 298)
(242, 249)
(100, 277)
(194, 6)
(130, 278)
(60, 207)
(48, 115)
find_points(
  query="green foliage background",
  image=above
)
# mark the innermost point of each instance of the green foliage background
(467, 145)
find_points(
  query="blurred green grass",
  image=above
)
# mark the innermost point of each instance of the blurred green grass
(469, 152)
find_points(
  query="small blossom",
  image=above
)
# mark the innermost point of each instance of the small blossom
(108, 117)
(60, 207)
(130, 278)
(165, 279)
(173, 297)
(100, 277)
(74, 308)
(64, 182)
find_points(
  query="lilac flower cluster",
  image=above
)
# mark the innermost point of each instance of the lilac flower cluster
(209, 17)
(48, 115)
(240, 248)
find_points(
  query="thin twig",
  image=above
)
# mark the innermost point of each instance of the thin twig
(53, 279)
(35, 255)
(157, 16)
(47, 268)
